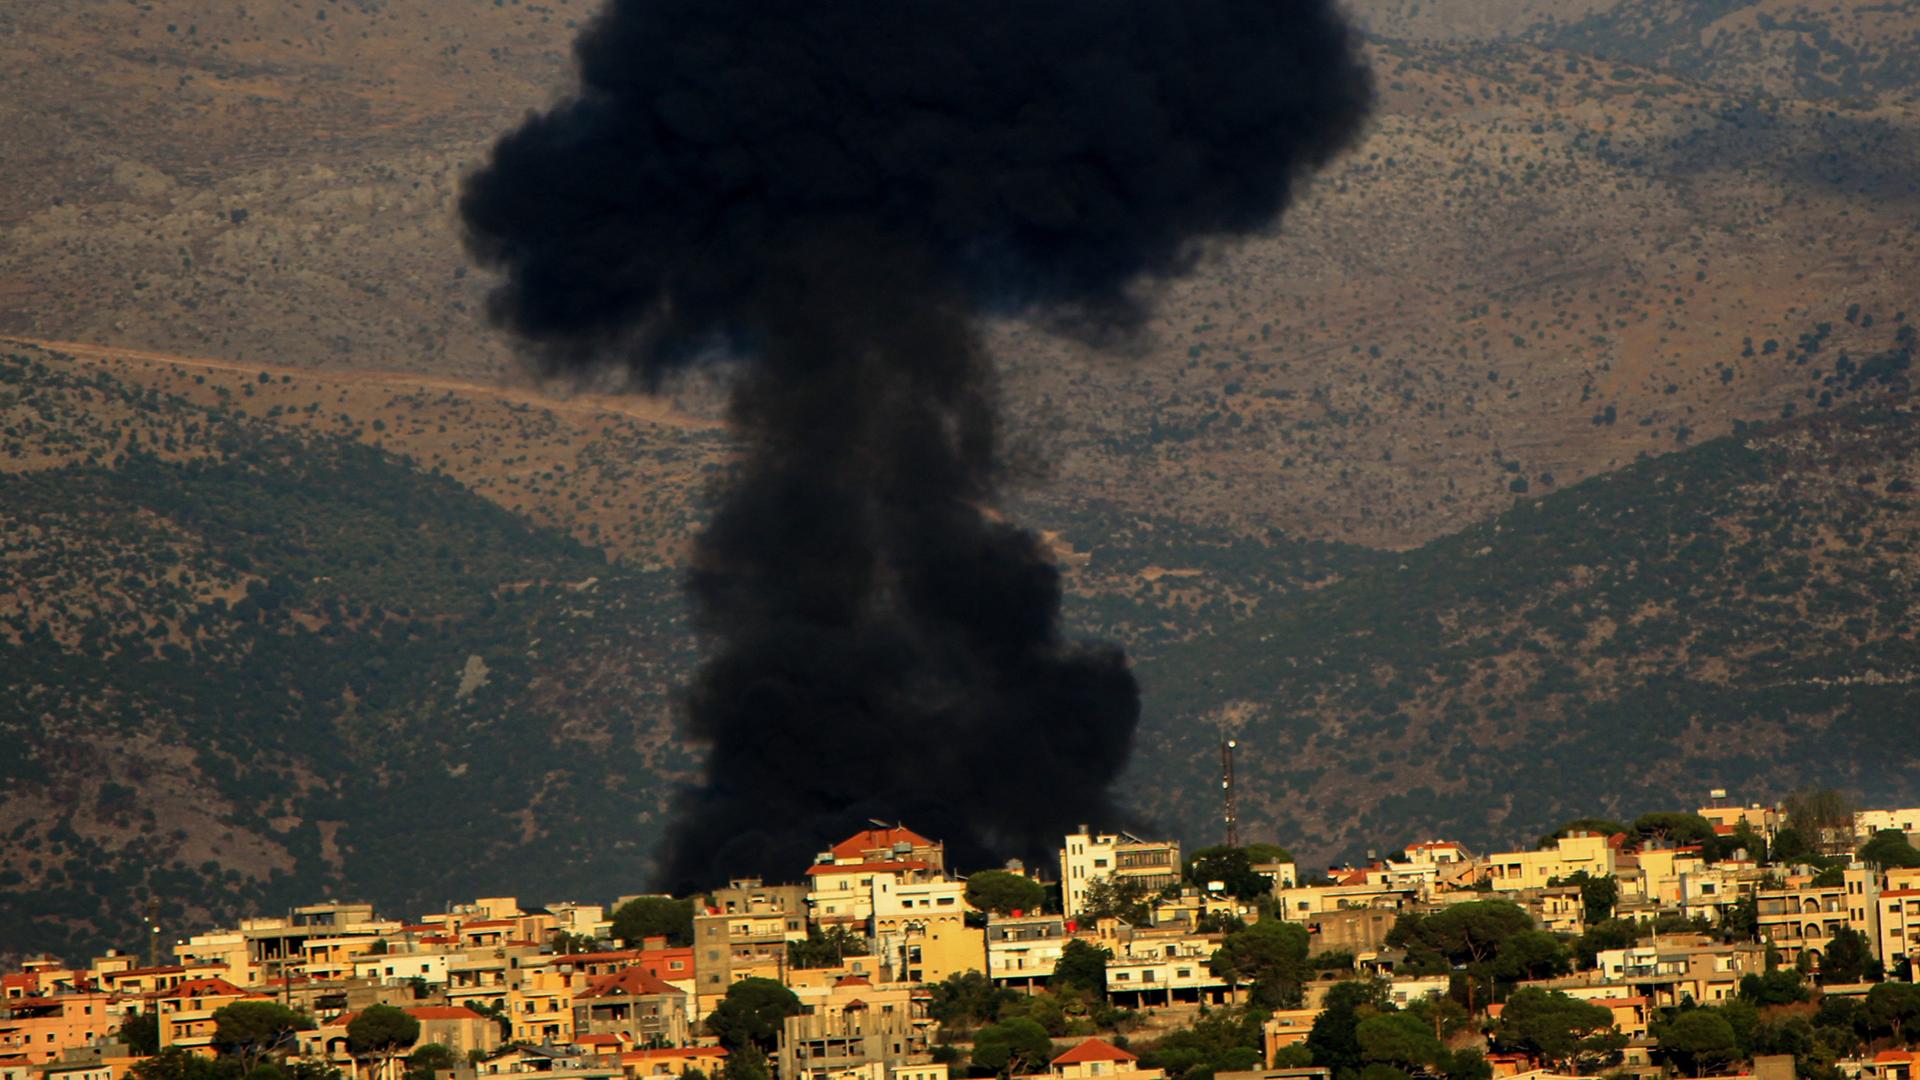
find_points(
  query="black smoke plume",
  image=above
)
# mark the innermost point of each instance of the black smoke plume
(831, 191)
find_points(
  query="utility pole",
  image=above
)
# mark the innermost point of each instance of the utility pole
(1227, 747)
(153, 931)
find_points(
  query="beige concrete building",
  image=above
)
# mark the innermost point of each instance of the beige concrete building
(742, 934)
(1089, 856)
(1572, 854)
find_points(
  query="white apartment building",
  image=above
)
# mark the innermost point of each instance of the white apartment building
(1868, 822)
(1089, 857)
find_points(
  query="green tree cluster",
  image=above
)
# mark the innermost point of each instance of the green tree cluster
(1016, 1046)
(825, 948)
(1219, 1040)
(750, 1015)
(654, 916)
(381, 1031)
(1004, 892)
(1232, 868)
(1269, 957)
(1560, 1030)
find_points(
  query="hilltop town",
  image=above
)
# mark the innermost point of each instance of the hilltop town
(1773, 941)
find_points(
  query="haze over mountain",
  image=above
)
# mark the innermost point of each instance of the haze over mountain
(1436, 494)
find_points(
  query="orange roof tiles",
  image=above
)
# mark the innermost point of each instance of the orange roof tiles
(1094, 1050)
(633, 981)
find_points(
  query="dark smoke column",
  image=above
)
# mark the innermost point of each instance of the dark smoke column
(829, 191)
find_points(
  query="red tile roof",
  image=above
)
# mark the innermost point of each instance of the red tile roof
(634, 981)
(206, 986)
(1094, 1050)
(877, 839)
(853, 980)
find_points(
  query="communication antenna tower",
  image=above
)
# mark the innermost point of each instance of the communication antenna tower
(1227, 747)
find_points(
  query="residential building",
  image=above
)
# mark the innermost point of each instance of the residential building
(1803, 919)
(1021, 950)
(1896, 929)
(1765, 820)
(1669, 971)
(1868, 822)
(645, 1009)
(43, 1029)
(1287, 1027)
(920, 927)
(823, 1044)
(1574, 853)
(1093, 1058)
(1302, 902)
(672, 1061)
(185, 1011)
(744, 933)
(1361, 931)
(1088, 857)
(540, 1004)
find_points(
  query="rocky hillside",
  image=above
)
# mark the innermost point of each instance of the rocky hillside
(1532, 236)
(1554, 456)
(1852, 52)
(246, 666)
(254, 662)
(1739, 615)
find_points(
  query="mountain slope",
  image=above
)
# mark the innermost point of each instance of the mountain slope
(1741, 614)
(245, 667)
(1528, 236)
(1847, 51)
(253, 661)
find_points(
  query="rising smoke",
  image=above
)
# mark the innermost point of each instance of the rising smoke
(831, 192)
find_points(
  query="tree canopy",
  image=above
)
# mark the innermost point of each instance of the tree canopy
(654, 916)
(1018, 1046)
(255, 1030)
(1269, 955)
(1128, 899)
(1082, 966)
(825, 948)
(1890, 850)
(1559, 1029)
(968, 999)
(141, 1032)
(1698, 1040)
(1334, 1040)
(381, 1030)
(1230, 867)
(1814, 811)
(1849, 958)
(1005, 892)
(1603, 826)
(1463, 934)
(751, 1013)
(1219, 1040)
